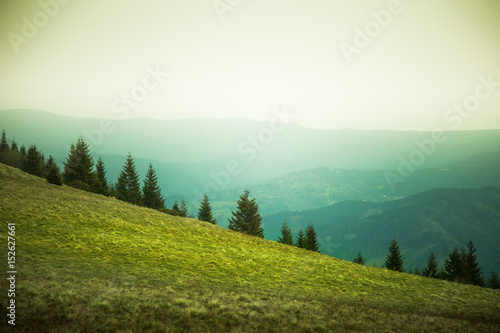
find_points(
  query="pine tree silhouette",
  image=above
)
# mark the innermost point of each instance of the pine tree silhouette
(247, 218)
(205, 211)
(286, 235)
(127, 186)
(151, 192)
(394, 259)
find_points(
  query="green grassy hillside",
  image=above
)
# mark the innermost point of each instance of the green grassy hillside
(87, 263)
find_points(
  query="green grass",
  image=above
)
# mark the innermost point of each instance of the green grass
(87, 263)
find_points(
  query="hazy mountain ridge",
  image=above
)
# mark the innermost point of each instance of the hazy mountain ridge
(204, 147)
(431, 221)
(320, 187)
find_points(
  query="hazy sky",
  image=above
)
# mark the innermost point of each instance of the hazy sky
(413, 61)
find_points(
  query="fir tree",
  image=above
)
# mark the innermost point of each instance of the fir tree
(31, 164)
(205, 211)
(299, 242)
(494, 281)
(13, 156)
(394, 259)
(100, 182)
(432, 269)
(176, 208)
(127, 186)
(286, 235)
(247, 218)
(183, 209)
(453, 267)
(48, 164)
(13, 146)
(151, 191)
(311, 240)
(472, 271)
(359, 259)
(78, 165)
(4, 146)
(53, 174)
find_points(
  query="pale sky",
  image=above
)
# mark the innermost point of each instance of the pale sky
(247, 57)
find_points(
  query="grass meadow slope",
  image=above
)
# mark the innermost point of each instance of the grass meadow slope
(87, 263)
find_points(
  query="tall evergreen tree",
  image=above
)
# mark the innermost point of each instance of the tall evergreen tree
(127, 186)
(205, 211)
(53, 174)
(151, 192)
(4, 146)
(494, 281)
(32, 162)
(78, 165)
(286, 235)
(183, 209)
(48, 164)
(247, 218)
(394, 259)
(359, 259)
(13, 146)
(300, 241)
(453, 267)
(311, 240)
(473, 274)
(100, 181)
(432, 269)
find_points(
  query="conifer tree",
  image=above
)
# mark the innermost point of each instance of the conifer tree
(286, 235)
(13, 156)
(205, 211)
(359, 259)
(4, 147)
(453, 267)
(31, 164)
(127, 186)
(183, 209)
(394, 259)
(48, 164)
(299, 242)
(53, 174)
(13, 146)
(176, 208)
(494, 281)
(78, 165)
(472, 271)
(432, 269)
(311, 240)
(100, 181)
(151, 192)
(247, 218)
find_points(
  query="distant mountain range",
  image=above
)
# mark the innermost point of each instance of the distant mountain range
(431, 221)
(321, 187)
(198, 155)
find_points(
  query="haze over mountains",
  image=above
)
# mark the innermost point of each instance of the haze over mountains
(198, 155)
(349, 184)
